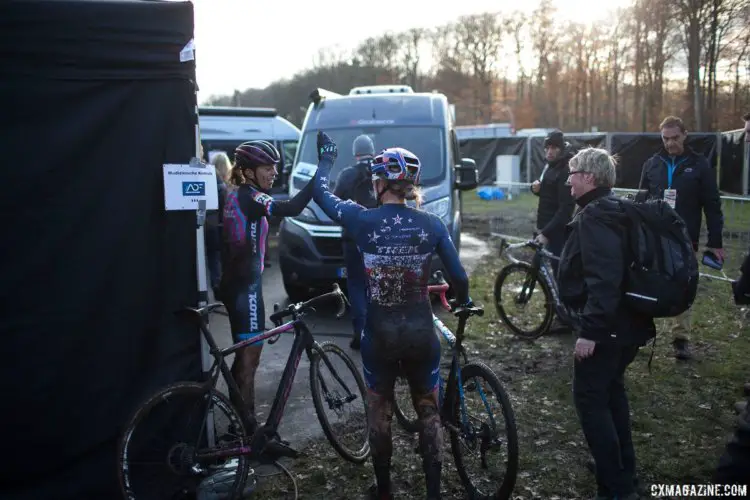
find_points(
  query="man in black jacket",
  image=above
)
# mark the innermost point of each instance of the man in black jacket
(555, 202)
(355, 183)
(687, 182)
(590, 276)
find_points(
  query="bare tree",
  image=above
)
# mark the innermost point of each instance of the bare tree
(515, 26)
(545, 38)
(413, 42)
(480, 38)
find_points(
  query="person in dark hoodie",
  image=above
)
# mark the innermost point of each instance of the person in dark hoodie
(555, 202)
(355, 183)
(590, 276)
(687, 182)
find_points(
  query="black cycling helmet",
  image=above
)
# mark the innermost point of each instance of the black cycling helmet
(363, 146)
(255, 154)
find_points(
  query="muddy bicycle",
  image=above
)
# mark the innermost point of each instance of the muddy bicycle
(472, 438)
(197, 433)
(526, 294)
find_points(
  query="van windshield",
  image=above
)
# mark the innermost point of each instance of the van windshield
(428, 143)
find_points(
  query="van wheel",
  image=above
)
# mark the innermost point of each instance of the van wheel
(296, 293)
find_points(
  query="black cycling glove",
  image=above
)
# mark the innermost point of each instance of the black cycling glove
(326, 148)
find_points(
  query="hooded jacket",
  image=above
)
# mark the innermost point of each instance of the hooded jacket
(556, 204)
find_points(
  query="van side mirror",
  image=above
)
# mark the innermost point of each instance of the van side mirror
(466, 175)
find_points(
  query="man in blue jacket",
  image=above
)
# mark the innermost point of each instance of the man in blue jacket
(687, 182)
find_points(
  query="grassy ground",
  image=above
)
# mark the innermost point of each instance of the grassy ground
(473, 204)
(682, 412)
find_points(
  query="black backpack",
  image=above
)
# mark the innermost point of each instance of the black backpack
(661, 275)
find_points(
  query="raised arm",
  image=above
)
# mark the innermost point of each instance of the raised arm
(345, 213)
(446, 250)
(294, 206)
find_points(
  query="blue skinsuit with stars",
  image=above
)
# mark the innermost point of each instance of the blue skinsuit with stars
(397, 243)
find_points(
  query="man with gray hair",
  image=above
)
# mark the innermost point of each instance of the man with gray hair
(590, 277)
(355, 183)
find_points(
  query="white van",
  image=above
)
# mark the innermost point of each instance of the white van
(310, 250)
(225, 128)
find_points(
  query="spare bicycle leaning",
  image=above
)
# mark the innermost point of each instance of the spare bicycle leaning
(200, 446)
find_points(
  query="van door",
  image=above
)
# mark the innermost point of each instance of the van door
(455, 160)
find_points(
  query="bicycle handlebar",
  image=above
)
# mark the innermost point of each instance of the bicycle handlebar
(441, 287)
(533, 244)
(294, 309)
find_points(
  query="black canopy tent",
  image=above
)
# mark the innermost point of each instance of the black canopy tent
(95, 99)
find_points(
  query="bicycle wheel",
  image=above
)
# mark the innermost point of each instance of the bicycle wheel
(403, 407)
(349, 437)
(157, 452)
(476, 437)
(516, 288)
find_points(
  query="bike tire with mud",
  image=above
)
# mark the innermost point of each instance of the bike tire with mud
(546, 322)
(188, 390)
(329, 348)
(504, 491)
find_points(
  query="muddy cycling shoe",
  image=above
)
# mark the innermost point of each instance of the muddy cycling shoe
(355, 343)
(278, 448)
(373, 494)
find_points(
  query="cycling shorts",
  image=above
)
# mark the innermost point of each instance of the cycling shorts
(400, 343)
(244, 303)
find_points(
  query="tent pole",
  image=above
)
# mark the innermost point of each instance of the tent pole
(200, 255)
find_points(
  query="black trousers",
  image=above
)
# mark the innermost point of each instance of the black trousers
(604, 413)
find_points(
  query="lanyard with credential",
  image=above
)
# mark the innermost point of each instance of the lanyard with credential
(671, 167)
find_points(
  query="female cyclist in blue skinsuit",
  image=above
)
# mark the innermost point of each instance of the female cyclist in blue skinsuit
(245, 235)
(397, 243)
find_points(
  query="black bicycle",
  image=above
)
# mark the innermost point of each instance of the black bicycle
(472, 437)
(526, 313)
(189, 437)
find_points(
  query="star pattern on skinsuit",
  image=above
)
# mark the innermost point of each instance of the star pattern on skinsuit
(410, 220)
(374, 237)
(385, 221)
(423, 236)
(339, 212)
(397, 220)
(324, 179)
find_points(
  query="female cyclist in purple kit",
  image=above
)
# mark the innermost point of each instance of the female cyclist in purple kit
(245, 234)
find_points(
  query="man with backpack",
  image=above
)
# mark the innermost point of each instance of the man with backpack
(686, 181)
(609, 333)
(355, 183)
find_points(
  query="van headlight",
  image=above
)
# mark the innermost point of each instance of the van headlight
(441, 208)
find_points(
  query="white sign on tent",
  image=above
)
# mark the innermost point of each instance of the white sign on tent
(185, 186)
